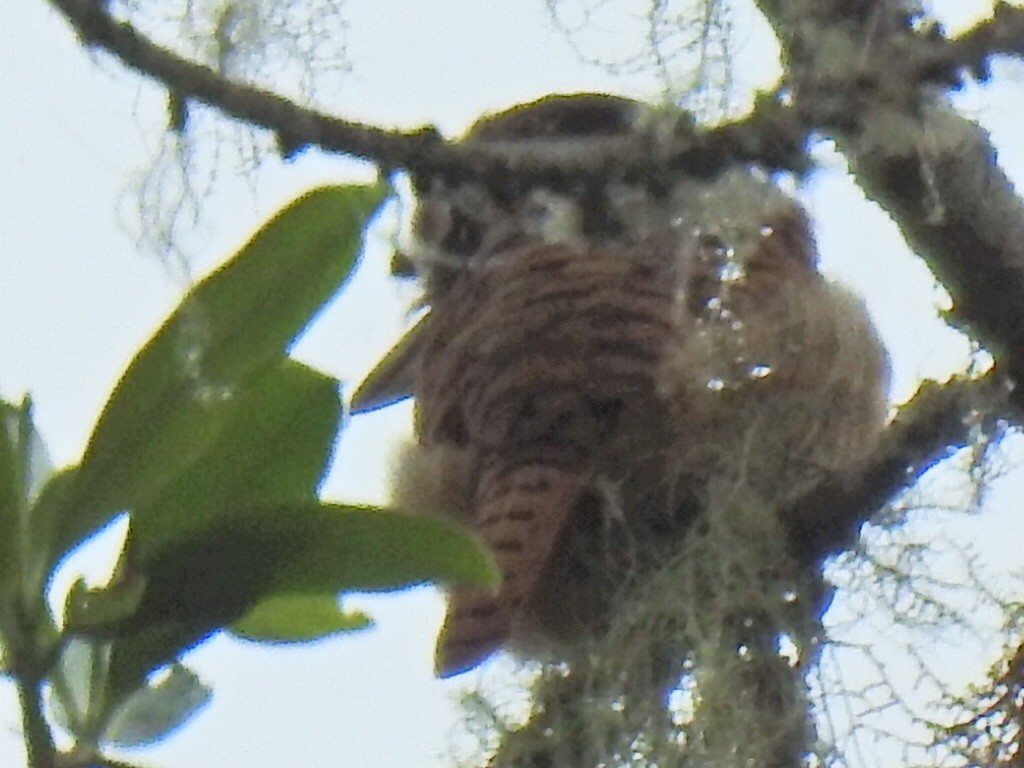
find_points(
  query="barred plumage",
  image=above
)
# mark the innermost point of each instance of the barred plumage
(589, 364)
(534, 359)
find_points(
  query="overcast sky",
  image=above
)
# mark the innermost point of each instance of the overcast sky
(78, 296)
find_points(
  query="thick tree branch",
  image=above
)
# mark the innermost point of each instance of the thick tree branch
(959, 212)
(936, 173)
(933, 170)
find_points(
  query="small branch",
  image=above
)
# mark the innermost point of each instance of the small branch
(935, 424)
(773, 136)
(295, 127)
(931, 58)
(1002, 34)
(878, 58)
(989, 729)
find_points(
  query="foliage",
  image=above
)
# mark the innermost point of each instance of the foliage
(214, 443)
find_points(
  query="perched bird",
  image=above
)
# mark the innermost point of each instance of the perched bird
(597, 352)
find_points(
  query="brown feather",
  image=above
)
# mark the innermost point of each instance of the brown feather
(522, 509)
(394, 377)
(532, 363)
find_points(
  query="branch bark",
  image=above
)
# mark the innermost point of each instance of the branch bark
(294, 126)
(933, 170)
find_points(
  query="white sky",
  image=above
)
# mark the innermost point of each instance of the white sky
(77, 297)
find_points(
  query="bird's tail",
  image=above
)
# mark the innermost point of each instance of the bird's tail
(521, 509)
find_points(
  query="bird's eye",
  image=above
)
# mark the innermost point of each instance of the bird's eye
(463, 237)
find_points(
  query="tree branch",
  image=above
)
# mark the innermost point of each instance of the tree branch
(1002, 34)
(960, 213)
(940, 420)
(933, 170)
(772, 138)
(294, 126)
(38, 741)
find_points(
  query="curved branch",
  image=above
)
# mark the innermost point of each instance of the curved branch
(774, 136)
(771, 138)
(294, 126)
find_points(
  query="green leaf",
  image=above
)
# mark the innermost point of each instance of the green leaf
(154, 711)
(85, 608)
(36, 467)
(80, 705)
(76, 684)
(24, 469)
(175, 396)
(366, 548)
(11, 495)
(49, 506)
(274, 447)
(290, 618)
(213, 578)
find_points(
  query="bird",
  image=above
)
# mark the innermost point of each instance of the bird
(600, 351)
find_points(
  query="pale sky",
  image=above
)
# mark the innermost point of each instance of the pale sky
(77, 297)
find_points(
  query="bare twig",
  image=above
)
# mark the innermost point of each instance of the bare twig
(294, 126)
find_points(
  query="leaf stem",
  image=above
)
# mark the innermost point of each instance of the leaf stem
(38, 739)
